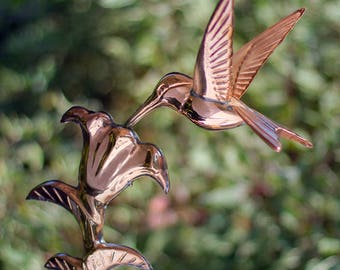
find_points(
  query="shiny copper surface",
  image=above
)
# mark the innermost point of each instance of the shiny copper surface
(112, 158)
(212, 98)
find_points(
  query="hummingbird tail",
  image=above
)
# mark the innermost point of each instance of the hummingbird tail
(269, 131)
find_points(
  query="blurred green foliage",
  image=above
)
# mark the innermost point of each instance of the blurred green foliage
(234, 203)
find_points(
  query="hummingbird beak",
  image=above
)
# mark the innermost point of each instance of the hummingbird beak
(151, 103)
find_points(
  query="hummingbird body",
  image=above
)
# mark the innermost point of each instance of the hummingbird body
(210, 114)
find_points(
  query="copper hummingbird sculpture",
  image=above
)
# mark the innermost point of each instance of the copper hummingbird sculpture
(112, 158)
(211, 99)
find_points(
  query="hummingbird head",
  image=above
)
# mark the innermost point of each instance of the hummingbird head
(172, 90)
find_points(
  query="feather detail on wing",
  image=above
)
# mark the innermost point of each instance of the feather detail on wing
(250, 58)
(269, 131)
(213, 75)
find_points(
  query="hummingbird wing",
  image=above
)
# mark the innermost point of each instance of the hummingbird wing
(248, 60)
(269, 131)
(64, 262)
(213, 72)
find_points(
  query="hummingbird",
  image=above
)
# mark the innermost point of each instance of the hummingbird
(212, 98)
(112, 158)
